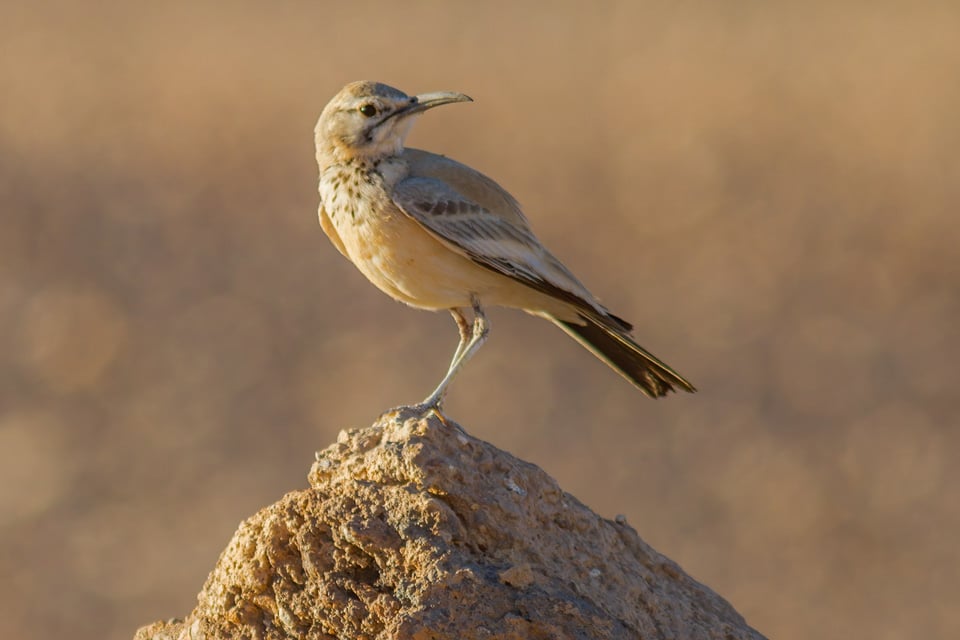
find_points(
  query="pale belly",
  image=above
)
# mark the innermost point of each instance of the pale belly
(407, 263)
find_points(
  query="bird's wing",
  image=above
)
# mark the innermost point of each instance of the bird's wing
(501, 242)
(468, 182)
(327, 225)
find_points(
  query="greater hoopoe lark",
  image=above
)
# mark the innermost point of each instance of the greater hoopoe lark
(436, 234)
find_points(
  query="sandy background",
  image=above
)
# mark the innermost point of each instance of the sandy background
(770, 192)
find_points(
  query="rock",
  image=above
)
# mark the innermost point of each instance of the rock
(413, 529)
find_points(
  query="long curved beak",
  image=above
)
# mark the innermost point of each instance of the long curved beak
(421, 102)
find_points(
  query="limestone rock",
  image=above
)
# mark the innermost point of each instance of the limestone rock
(412, 529)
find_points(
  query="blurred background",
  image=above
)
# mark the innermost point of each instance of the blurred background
(770, 192)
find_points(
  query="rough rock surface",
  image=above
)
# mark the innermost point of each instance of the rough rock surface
(414, 529)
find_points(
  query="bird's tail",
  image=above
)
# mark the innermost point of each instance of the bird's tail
(615, 347)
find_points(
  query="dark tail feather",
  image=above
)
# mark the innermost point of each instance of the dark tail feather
(626, 357)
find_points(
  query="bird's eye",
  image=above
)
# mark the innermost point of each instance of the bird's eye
(368, 110)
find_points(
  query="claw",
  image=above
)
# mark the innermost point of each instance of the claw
(422, 409)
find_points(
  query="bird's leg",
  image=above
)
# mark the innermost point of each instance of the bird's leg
(477, 336)
(465, 331)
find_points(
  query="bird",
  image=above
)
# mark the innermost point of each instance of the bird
(436, 234)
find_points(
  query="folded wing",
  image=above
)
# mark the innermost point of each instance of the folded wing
(489, 229)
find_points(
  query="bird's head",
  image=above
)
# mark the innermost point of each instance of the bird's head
(370, 120)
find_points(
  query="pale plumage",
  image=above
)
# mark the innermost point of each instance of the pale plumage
(436, 234)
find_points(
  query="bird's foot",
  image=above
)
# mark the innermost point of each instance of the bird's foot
(421, 409)
(428, 407)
